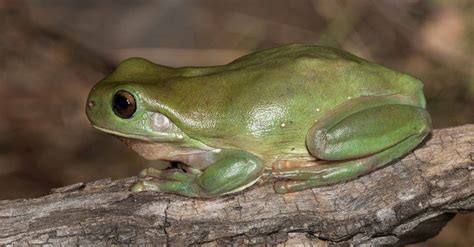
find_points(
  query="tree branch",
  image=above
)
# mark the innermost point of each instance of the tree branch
(406, 202)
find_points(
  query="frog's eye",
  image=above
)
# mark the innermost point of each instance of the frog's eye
(160, 121)
(123, 104)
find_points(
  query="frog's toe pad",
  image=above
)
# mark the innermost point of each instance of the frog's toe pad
(137, 187)
(280, 187)
(144, 186)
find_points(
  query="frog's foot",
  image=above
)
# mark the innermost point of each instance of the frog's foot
(355, 139)
(176, 182)
(231, 172)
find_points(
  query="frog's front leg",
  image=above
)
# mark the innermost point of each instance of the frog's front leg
(232, 171)
(356, 138)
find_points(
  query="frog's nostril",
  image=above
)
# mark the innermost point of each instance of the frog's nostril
(90, 104)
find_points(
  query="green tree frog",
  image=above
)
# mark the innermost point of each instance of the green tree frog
(307, 115)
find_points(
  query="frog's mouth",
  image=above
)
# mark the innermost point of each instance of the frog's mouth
(136, 136)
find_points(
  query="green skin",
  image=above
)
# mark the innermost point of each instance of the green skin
(309, 115)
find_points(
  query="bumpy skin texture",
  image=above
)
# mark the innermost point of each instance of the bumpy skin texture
(283, 109)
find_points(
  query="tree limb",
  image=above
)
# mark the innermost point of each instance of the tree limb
(406, 202)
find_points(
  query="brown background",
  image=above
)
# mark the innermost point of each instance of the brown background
(52, 52)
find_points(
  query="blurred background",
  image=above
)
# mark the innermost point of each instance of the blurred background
(52, 52)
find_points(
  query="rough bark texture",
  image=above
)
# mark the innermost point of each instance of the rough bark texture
(406, 202)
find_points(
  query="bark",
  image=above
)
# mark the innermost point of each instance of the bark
(405, 202)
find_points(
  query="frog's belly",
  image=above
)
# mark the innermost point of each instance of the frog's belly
(160, 151)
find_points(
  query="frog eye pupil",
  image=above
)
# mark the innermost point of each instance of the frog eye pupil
(123, 104)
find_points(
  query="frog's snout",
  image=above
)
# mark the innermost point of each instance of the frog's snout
(91, 107)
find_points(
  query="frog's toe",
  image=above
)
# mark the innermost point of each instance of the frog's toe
(150, 171)
(170, 182)
(150, 185)
(280, 187)
(138, 187)
(288, 186)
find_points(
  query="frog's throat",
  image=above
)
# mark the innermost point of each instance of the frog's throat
(131, 136)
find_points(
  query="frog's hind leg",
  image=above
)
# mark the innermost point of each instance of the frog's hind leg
(300, 178)
(354, 139)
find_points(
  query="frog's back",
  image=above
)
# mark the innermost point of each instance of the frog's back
(271, 98)
(323, 72)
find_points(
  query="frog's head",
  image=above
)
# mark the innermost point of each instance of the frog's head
(121, 104)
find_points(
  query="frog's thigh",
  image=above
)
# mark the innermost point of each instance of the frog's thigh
(362, 129)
